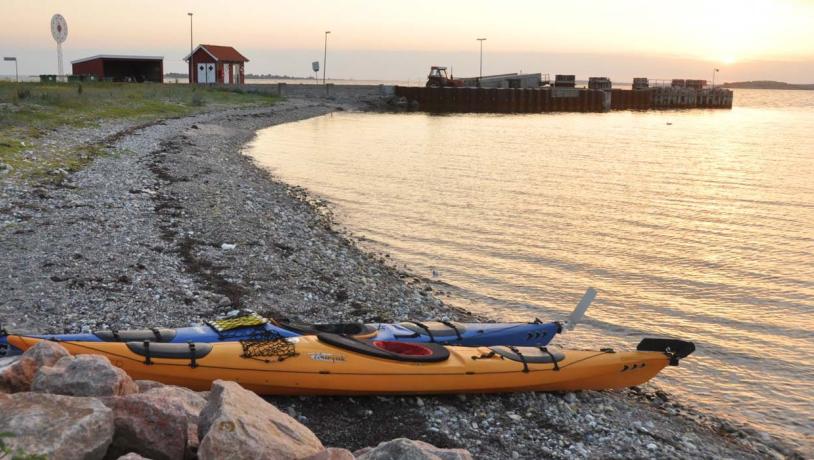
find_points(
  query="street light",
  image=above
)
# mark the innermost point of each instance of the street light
(481, 40)
(191, 65)
(714, 71)
(16, 74)
(325, 57)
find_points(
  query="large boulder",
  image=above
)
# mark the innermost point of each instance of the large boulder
(56, 427)
(187, 402)
(146, 385)
(161, 423)
(19, 375)
(237, 423)
(84, 375)
(407, 449)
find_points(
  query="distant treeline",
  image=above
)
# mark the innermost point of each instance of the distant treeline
(249, 76)
(766, 84)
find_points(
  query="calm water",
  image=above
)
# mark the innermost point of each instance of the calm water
(697, 224)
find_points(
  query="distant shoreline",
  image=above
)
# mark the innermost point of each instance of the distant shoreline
(768, 85)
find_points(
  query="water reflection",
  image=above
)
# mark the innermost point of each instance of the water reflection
(701, 228)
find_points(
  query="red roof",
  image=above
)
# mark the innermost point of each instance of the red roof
(225, 53)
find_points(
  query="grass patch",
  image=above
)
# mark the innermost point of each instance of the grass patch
(29, 110)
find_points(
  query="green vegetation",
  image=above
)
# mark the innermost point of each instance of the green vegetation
(28, 111)
(7, 453)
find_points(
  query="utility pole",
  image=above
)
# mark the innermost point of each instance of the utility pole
(325, 57)
(481, 40)
(191, 64)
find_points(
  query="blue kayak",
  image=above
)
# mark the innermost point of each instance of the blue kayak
(536, 333)
(256, 327)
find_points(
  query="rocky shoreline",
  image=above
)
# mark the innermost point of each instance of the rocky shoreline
(175, 225)
(83, 407)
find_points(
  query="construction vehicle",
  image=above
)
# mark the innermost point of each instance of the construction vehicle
(438, 79)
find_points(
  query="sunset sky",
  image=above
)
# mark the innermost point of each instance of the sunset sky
(395, 39)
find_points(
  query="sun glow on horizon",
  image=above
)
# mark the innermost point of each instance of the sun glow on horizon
(397, 38)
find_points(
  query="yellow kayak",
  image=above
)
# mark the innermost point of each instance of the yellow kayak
(330, 364)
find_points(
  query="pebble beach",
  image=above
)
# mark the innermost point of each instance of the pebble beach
(174, 225)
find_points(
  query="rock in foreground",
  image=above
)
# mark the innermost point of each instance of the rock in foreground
(57, 427)
(407, 449)
(237, 423)
(159, 424)
(84, 375)
(18, 376)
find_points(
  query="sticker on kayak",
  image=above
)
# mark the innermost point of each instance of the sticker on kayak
(327, 357)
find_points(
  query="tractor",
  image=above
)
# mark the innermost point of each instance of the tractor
(438, 79)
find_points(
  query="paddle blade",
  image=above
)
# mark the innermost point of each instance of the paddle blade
(582, 307)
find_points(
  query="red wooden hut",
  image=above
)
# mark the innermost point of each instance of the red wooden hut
(217, 64)
(121, 68)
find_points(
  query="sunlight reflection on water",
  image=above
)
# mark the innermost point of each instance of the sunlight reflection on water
(702, 229)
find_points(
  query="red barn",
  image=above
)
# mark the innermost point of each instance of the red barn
(121, 68)
(217, 64)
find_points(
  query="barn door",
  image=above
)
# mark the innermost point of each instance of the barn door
(227, 73)
(201, 73)
(210, 72)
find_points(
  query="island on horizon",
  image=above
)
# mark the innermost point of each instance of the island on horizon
(767, 84)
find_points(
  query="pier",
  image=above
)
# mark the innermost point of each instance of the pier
(553, 99)
(671, 98)
(506, 100)
(544, 99)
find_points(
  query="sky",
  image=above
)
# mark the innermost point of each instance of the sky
(399, 40)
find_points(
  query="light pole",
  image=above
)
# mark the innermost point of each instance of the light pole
(481, 40)
(191, 65)
(16, 73)
(325, 57)
(714, 71)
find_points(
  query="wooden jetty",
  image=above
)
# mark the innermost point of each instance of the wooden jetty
(506, 100)
(554, 99)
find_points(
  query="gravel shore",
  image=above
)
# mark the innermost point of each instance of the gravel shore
(175, 225)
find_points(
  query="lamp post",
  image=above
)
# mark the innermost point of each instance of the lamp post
(714, 71)
(16, 73)
(191, 65)
(481, 40)
(325, 57)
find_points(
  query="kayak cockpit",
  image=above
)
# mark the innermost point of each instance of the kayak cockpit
(396, 351)
(351, 329)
